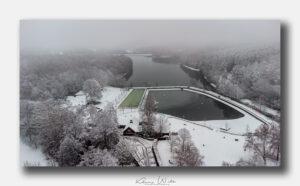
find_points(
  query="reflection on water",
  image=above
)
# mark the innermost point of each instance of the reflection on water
(192, 106)
(145, 72)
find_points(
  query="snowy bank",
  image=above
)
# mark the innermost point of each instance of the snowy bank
(263, 108)
(191, 68)
(31, 157)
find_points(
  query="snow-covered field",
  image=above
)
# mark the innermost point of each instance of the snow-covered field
(109, 95)
(31, 157)
(215, 145)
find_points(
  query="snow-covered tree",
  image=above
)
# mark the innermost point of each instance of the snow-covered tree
(264, 144)
(98, 158)
(54, 121)
(111, 111)
(123, 152)
(75, 127)
(185, 136)
(274, 141)
(70, 81)
(161, 125)
(250, 162)
(228, 87)
(92, 112)
(148, 116)
(105, 134)
(69, 152)
(150, 110)
(92, 89)
(56, 88)
(174, 142)
(258, 142)
(186, 153)
(147, 130)
(29, 128)
(227, 164)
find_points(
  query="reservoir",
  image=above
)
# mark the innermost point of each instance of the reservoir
(146, 72)
(192, 106)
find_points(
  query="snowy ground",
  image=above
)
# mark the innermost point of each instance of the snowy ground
(125, 115)
(215, 145)
(109, 95)
(31, 157)
(141, 150)
(163, 148)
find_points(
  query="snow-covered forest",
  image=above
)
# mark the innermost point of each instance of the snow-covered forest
(244, 72)
(57, 75)
(47, 122)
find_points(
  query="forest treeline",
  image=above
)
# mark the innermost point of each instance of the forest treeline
(241, 73)
(54, 76)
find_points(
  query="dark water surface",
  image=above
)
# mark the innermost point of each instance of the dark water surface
(145, 72)
(192, 106)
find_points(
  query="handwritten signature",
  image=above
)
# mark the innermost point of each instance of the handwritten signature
(159, 181)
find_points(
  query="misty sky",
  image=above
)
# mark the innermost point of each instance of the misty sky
(112, 34)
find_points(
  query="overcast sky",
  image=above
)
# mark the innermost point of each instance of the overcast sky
(112, 34)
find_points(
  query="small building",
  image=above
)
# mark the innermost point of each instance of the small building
(130, 127)
(129, 132)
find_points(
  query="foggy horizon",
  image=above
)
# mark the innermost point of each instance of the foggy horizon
(134, 34)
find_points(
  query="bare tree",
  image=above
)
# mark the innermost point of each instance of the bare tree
(186, 153)
(250, 162)
(174, 142)
(185, 137)
(92, 111)
(150, 109)
(258, 142)
(149, 117)
(162, 125)
(92, 89)
(275, 141)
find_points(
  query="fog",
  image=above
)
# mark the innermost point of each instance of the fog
(124, 34)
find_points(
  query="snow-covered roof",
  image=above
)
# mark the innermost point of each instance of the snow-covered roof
(134, 125)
